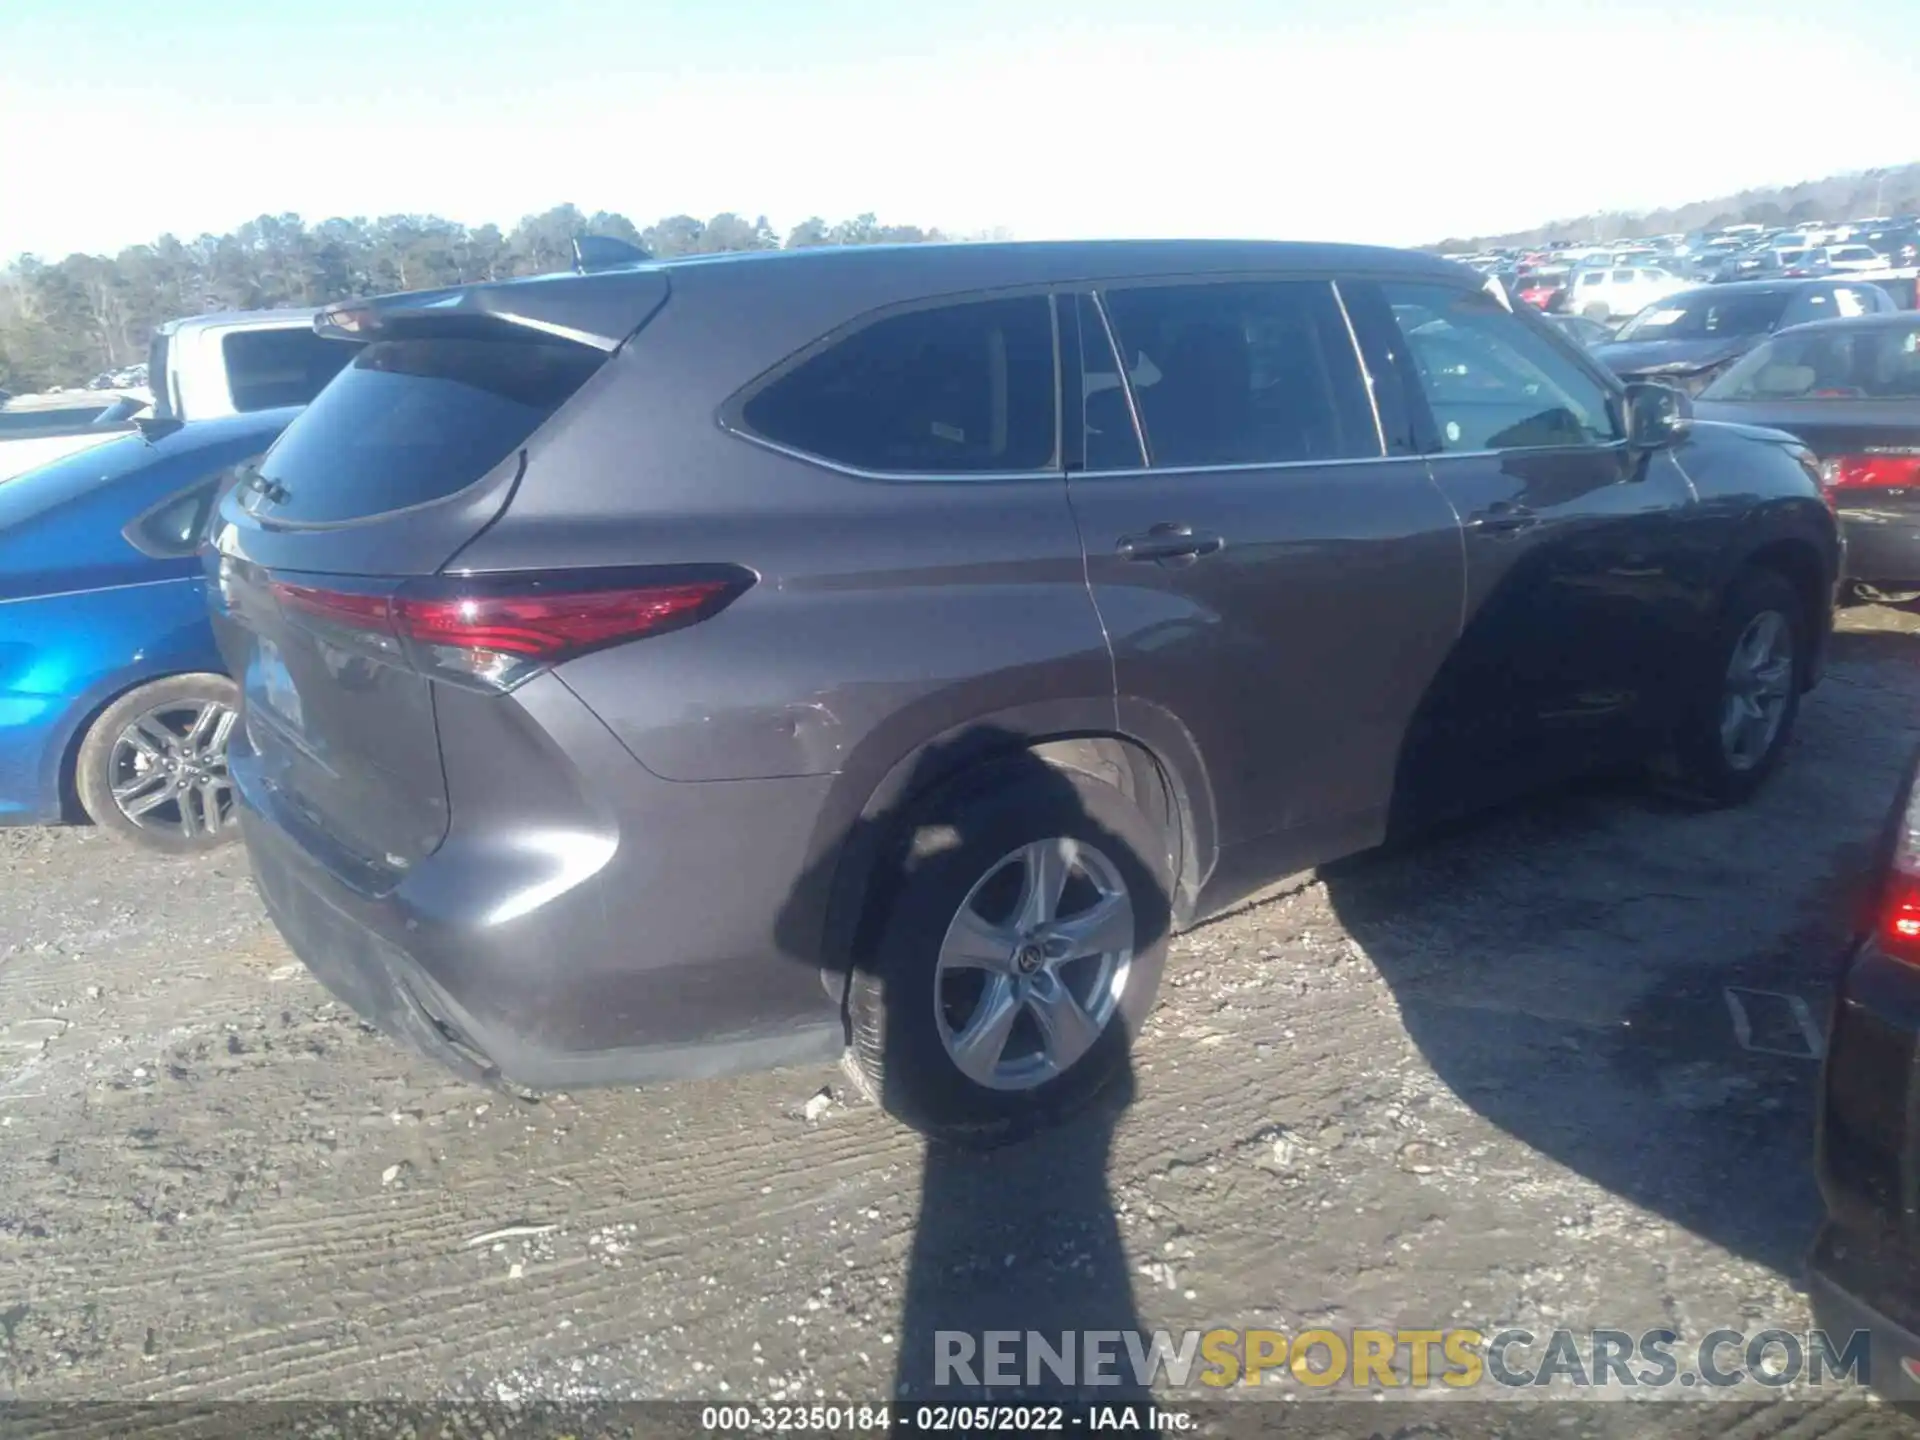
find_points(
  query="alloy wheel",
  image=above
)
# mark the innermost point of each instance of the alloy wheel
(168, 768)
(1759, 682)
(1034, 964)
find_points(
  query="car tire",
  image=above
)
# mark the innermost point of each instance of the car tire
(1716, 760)
(911, 1006)
(137, 787)
(1597, 311)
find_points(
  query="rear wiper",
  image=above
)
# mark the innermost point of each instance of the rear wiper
(271, 491)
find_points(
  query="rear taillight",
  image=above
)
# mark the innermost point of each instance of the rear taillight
(1890, 470)
(492, 632)
(1897, 929)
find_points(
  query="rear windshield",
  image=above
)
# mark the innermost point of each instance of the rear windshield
(269, 369)
(1702, 315)
(410, 421)
(61, 480)
(17, 423)
(1865, 363)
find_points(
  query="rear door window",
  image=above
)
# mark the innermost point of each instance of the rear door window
(951, 389)
(409, 421)
(1253, 372)
(267, 369)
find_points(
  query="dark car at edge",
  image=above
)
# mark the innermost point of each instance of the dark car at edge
(1864, 1273)
(722, 663)
(1850, 391)
(1688, 338)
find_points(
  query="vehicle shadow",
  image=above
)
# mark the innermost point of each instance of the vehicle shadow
(1580, 967)
(1016, 1231)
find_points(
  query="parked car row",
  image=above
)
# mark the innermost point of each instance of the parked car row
(1692, 335)
(1610, 283)
(1562, 275)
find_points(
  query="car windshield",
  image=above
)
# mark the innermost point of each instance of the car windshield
(1852, 252)
(1703, 315)
(1843, 362)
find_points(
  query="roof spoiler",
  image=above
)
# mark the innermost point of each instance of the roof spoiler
(600, 309)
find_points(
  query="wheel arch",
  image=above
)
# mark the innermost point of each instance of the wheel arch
(66, 754)
(1798, 562)
(1143, 752)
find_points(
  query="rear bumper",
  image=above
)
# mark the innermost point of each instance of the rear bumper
(1841, 1310)
(602, 963)
(1883, 552)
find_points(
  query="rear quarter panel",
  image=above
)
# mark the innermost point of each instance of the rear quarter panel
(886, 612)
(84, 617)
(896, 626)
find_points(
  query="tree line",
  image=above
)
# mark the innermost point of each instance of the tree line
(1893, 191)
(65, 321)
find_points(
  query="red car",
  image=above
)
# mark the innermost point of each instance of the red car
(1542, 288)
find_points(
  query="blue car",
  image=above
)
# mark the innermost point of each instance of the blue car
(114, 704)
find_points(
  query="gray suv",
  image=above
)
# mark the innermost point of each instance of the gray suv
(727, 662)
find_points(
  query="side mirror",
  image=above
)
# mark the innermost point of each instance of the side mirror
(1658, 415)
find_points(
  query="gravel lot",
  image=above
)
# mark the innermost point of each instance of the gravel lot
(1490, 1079)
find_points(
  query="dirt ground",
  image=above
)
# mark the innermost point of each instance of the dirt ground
(1493, 1079)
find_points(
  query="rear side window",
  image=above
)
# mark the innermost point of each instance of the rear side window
(176, 526)
(267, 369)
(954, 389)
(1247, 372)
(409, 421)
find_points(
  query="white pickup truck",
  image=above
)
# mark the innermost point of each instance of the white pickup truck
(197, 368)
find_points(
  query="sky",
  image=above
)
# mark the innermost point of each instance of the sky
(1392, 121)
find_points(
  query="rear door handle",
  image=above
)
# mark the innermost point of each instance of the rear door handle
(1500, 517)
(1167, 542)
